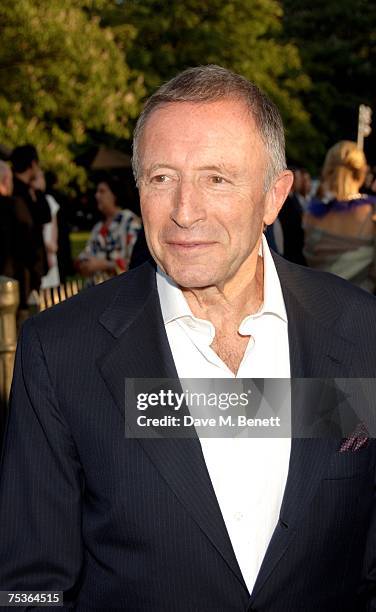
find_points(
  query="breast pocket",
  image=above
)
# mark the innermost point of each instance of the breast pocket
(351, 464)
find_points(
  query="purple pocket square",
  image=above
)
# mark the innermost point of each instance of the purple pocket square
(358, 439)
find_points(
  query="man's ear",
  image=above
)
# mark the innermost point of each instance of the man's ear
(276, 196)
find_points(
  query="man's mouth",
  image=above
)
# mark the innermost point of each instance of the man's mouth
(188, 245)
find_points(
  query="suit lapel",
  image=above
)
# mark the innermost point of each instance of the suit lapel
(316, 350)
(141, 350)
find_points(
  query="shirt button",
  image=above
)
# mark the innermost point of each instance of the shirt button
(238, 516)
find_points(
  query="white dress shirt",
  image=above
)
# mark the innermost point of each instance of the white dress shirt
(248, 474)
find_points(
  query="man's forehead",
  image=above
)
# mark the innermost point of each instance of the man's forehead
(205, 126)
(195, 109)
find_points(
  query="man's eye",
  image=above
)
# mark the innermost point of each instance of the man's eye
(217, 180)
(159, 178)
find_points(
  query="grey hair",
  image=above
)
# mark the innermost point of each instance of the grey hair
(209, 84)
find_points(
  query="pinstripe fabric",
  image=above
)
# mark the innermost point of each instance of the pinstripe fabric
(134, 524)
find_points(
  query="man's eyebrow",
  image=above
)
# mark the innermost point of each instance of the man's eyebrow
(227, 168)
(154, 167)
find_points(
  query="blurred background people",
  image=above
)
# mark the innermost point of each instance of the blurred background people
(291, 217)
(32, 212)
(274, 236)
(339, 224)
(370, 182)
(302, 186)
(85, 213)
(50, 235)
(63, 220)
(111, 242)
(140, 252)
(8, 223)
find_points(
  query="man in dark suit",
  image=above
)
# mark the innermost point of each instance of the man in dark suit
(32, 212)
(150, 523)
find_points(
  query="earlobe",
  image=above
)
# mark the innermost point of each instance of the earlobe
(277, 195)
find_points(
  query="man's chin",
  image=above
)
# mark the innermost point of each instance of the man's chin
(188, 277)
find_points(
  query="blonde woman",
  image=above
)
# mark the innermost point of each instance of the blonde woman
(339, 224)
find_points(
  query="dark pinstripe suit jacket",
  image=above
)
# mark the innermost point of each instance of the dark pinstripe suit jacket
(134, 524)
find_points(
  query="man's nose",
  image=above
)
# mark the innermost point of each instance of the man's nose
(189, 206)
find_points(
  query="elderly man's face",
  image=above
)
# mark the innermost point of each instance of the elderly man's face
(202, 191)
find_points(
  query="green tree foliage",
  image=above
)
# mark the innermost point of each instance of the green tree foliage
(71, 70)
(61, 74)
(242, 35)
(337, 44)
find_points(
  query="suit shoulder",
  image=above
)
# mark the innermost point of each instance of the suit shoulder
(330, 285)
(86, 307)
(331, 300)
(340, 289)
